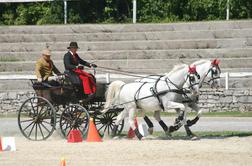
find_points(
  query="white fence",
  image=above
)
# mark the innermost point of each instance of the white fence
(108, 77)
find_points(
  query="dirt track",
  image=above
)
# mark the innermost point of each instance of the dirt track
(228, 151)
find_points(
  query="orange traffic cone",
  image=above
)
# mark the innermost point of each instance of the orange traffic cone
(131, 133)
(93, 134)
(62, 162)
(74, 136)
(1, 145)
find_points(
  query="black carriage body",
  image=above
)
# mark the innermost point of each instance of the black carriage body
(65, 93)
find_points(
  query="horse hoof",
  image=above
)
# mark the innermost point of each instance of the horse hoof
(116, 138)
(150, 130)
(195, 138)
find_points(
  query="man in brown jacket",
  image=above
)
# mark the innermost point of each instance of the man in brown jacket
(45, 68)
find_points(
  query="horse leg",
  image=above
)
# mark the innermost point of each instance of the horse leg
(180, 116)
(149, 124)
(180, 120)
(132, 123)
(190, 123)
(119, 118)
(161, 122)
(178, 123)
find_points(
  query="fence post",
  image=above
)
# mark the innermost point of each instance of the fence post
(227, 15)
(65, 11)
(134, 11)
(226, 80)
(107, 78)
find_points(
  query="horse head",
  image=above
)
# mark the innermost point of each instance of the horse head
(214, 72)
(192, 80)
(209, 72)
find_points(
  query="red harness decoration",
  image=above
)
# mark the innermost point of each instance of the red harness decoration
(87, 81)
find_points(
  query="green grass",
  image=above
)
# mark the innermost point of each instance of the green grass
(9, 115)
(203, 134)
(207, 134)
(8, 59)
(206, 114)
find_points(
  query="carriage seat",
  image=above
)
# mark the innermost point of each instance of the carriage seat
(74, 79)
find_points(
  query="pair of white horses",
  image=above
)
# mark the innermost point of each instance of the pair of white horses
(156, 93)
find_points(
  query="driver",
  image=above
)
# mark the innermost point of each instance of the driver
(74, 66)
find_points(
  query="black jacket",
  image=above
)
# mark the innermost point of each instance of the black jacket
(70, 64)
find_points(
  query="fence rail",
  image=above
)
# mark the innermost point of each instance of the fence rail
(109, 76)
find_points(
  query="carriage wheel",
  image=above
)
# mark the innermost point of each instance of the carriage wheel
(74, 117)
(36, 118)
(106, 122)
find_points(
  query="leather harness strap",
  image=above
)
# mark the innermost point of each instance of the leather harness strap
(136, 97)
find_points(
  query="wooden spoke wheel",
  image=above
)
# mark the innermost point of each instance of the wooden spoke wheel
(74, 117)
(106, 122)
(36, 118)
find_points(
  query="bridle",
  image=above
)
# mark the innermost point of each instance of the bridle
(213, 73)
(191, 78)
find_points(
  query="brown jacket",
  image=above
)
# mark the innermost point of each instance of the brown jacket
(45, 69)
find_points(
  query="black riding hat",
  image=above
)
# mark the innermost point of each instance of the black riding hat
(73, 45)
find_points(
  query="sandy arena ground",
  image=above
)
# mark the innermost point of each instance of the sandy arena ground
(228, 151)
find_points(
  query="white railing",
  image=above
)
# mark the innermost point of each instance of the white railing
(228, 75)
(108, 77)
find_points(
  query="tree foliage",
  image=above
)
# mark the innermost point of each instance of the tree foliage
(120, 11)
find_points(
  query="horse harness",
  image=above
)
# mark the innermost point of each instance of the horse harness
(158, 95)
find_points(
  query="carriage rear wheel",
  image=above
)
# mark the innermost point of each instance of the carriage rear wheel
(37, 118)
(74, 117)
(106, 122)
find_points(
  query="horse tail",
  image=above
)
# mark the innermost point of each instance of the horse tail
(112, 93)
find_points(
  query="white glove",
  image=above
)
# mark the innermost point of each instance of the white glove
(61, 77)
(39, 79)
(53, 78)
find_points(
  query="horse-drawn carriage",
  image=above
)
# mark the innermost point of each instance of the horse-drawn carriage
(63, 105)
(39, 115)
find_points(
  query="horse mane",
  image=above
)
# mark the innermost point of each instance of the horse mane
(200, 62)
(176, 68)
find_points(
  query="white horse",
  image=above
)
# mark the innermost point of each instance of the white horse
(150, 96)
(205, 68)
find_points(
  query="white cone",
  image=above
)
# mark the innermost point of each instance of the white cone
(8, 144)
(143, 129)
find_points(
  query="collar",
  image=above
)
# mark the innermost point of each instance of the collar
(72, 53)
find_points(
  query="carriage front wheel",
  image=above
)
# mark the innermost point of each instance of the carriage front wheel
(37, 118)
(106, 122)
(74, 117)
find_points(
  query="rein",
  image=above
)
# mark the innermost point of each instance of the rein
(127, 73)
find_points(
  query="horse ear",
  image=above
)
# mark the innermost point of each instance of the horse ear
(216, 62)
(192, 69)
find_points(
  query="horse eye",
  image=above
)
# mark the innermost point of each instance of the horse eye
(192, 79)
(198, 76)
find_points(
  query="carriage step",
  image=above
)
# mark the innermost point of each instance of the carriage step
(113, 110)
